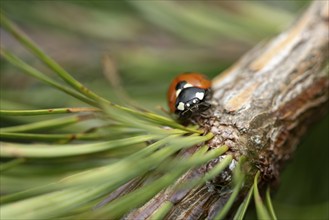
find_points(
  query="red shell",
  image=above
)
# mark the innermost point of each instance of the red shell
(196, 79)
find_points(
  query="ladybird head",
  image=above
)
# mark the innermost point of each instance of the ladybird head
(191, 101)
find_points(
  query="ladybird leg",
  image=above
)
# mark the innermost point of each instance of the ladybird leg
(193, 121)
(185, 114)
(205, 112)
(204, 106)
(194, 109)
(164, 110)
(206, 115)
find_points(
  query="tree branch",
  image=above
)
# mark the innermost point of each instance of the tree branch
(261, 107)
(271, 95)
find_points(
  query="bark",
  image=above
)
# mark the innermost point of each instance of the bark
(267, 100)
(261, 107)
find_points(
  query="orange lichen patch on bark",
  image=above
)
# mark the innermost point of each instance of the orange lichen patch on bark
(239, 100)
(281, 45)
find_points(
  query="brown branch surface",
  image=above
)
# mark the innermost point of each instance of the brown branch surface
(261, 107)
(268, 99)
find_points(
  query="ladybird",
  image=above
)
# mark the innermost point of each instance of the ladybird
(188, 95)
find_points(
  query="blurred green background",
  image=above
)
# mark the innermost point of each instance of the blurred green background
(145, 44)
(149, 41)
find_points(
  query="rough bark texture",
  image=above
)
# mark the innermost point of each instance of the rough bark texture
(267, 99)
(261, 108)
